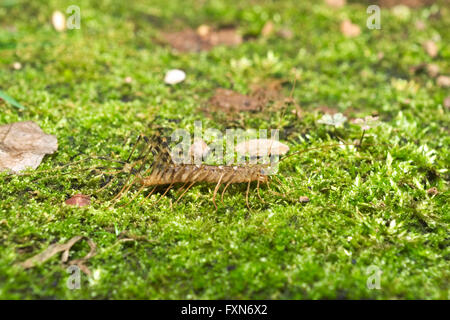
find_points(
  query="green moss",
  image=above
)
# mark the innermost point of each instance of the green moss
(368, 206)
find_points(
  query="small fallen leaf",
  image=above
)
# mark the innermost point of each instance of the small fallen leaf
(430, 48)
(10, 100)
(65, 248)
(80, 200)
(443, 81)
(261, 147)
(303, 199)
(24, 144)
(336, 120)
(335, 3)
(349, 29)
(367, 123)
(268, 29)
(174, 76)
(58, 21)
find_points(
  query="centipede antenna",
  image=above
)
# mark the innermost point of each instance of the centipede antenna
(134, 147)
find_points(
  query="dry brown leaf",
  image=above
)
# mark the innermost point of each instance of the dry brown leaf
(80, 200)
(349, 29)
(447, 102)
(65, 248)
(336, 3)
(431, 48)
(286, 33)
(409, 3)
(231, 101)
(203, 39)
(24, 144)
(261, 147)
(443, 81)
(268, 29)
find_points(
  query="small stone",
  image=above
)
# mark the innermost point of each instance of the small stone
(204, 30)
(17, 65)
(303, 199)
(443, 81)
(174, 76)
(59, 21)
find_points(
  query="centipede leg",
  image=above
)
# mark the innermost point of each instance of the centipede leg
(148, 196)
(224, 189)
(246, 195)
(216, 189)
(167, 190)
(257, 191)
(184, 192)
(134, 197)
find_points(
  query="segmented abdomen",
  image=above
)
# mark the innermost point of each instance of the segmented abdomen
(205, 173)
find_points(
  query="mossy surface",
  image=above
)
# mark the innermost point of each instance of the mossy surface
(368, 206)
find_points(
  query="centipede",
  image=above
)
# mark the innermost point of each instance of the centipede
(153, 168)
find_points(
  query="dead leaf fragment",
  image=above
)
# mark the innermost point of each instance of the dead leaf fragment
(268, 29)
(24, 144)
(447, 102)
(286, 33)
(303, 199)
(409, 3)
(430, 48)
(80, 200)
(261, 147)
(349, 29)
(202, 39)
(443, 81)
(65, 248)
(231, 101)
(335, 3)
